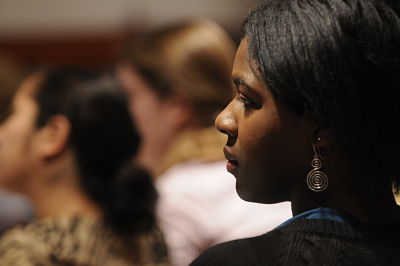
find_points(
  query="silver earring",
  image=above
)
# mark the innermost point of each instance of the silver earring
(317, 180)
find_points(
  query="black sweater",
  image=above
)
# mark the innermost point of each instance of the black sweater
(311, 242)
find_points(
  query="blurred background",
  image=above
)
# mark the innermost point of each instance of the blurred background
(85, 32)
(89, 32)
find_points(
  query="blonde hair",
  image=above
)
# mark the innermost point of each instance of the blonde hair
(192, 59)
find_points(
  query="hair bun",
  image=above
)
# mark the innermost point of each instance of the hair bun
(132, 201)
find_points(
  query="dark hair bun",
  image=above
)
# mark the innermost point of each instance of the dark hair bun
(131, 207)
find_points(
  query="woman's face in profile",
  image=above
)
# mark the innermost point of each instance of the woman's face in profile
(146, 107)
(269, 148)
(17, 137)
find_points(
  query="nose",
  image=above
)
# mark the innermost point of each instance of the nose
(226, 122)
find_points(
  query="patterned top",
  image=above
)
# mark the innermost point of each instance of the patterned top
(78, 241)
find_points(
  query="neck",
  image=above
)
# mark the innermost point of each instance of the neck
(349, 191)
(377, 206)
(149, 154)
(57, 191)
(152, 152)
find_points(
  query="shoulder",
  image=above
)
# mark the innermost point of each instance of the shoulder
(261, 250)
(309, 242)
(23, 246)
(42, 242)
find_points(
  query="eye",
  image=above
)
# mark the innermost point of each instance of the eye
(247, 103)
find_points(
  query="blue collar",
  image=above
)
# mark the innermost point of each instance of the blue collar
(322, 213)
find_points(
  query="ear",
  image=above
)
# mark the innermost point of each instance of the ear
(53, 137)
(322, 138)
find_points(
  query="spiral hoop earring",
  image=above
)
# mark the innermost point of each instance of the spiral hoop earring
(317, 180)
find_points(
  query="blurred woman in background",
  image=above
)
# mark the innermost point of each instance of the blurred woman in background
(177, 79)
(67, 145)
(14, 209)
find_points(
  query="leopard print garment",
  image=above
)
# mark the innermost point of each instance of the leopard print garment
(77, 241)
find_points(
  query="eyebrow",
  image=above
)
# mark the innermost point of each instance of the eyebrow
(250, 91)
(239, 81)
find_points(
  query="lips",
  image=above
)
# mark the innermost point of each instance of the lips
(232, 163)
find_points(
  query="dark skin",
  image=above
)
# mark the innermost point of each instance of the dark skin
(269, 151)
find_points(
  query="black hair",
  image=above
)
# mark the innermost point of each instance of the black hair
(104, 142)
(339, 61)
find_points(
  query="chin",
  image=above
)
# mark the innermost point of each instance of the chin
(253, 195)
(246, 194)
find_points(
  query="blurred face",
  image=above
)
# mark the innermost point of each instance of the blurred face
(145, 105)
(17, 135)
(157, 120)
(269, 148)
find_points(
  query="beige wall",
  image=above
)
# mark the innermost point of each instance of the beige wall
(32, 16)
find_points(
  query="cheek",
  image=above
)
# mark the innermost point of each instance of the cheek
(257, 140)
(16, 160)
(264, 173)
(261, 156)
(147, 114)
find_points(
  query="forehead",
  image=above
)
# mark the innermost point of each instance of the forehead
(241, 64)
(246, 69)
(131, 79)
(29, 86)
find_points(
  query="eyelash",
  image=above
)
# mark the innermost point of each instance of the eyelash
(247, 103)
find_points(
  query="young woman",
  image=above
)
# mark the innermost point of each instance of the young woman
(14, 209)
(313, 122)
(67, 145)
(177, 79)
